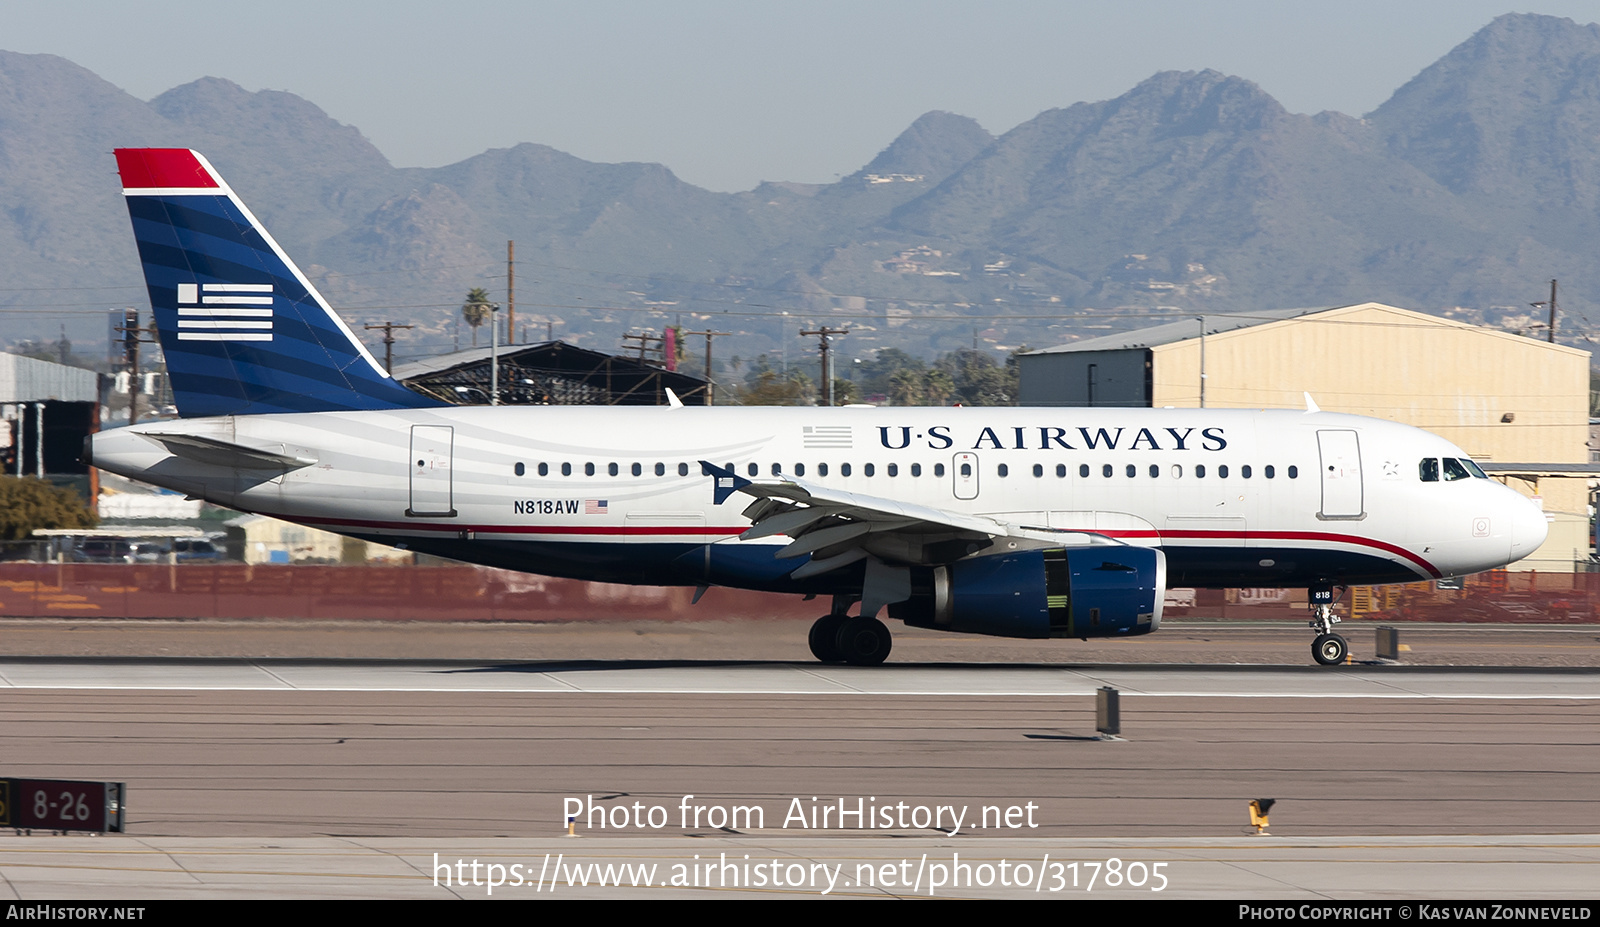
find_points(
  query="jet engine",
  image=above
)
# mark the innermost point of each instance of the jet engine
(1060, 592)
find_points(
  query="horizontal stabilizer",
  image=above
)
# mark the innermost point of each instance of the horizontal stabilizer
(216, 453)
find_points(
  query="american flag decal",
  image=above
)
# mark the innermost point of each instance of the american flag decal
(825, 436)
(225, 312)
(594, 506)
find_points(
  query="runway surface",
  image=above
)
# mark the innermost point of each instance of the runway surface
(1348, 876)
(341, 778)
(746, 678)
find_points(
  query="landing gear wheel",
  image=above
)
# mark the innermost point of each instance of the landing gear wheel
(1330, 649)
(823, 638)
(863, 641)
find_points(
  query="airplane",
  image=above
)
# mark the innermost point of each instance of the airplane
(1018, 522)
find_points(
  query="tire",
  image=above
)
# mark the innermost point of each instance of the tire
(824, 636)
(863, 641)
(1330, 649)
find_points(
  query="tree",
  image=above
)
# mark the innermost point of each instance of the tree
(476, 310)
(770, 388)
(27, 503)
(978, 380)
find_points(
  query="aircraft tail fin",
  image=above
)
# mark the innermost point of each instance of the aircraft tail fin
(243, 330)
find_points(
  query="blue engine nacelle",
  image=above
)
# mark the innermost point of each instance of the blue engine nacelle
(1061, 592)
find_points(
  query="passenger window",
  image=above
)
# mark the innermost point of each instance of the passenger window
(1453, 470)
(1269, 472)
(544, 469)
(753, 469)
(1222, 471)
(1038, 470)
(1061, 471)
(566, 469)
(1294, 472)
(1132, 471)
(1105, 470)
(894, 469)
(588, 469)
(1244, 471)
(611, 469)
(844, 469)
(1003, 470)
(1177, 471)
(1429, 470)
(519, 468)
(938, 469)
(683, 469)
(661, 469)
(638, 469)
(867, 470)
(1083, 469)
(916, 469)
(1199, 471)
(1155, 470)
(777, 469)
(822, 469)
(799, 469)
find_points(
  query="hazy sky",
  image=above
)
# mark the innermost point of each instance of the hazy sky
(728, 94)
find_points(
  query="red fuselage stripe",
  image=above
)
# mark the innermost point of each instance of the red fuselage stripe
(710, 531)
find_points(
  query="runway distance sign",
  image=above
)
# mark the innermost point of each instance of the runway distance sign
(62, 804)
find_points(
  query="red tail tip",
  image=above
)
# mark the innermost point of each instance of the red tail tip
(145, 168)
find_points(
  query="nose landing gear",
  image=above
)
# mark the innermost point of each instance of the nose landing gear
(1329, 649)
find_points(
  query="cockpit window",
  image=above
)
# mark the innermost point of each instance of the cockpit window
(1429, 470)
(1476, 470)
(1453, 470)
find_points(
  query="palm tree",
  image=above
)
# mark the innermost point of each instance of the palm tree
(476, 310)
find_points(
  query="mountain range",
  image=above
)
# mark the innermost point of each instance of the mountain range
(1464, 194)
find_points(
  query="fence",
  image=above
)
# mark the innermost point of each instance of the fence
(464, 593)
(435, 593)
(1497, 597)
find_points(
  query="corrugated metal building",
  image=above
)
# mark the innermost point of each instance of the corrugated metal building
(1503, 398)
(46, 410)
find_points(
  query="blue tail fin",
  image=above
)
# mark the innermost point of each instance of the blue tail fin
(243, 331)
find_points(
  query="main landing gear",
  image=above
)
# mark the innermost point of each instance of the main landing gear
(1329, 649)
(855, 639)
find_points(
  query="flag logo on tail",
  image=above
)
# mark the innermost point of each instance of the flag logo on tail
(225, 312)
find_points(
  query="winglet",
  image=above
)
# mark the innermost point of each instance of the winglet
(1311, 404)
(727, 482)
(673, 400)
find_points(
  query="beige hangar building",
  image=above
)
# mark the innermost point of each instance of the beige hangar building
(1519, 406)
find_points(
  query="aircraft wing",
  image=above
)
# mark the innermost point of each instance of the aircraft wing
(838, 528)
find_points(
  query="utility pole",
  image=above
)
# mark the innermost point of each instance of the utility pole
(709, 335)
(132, 336)
(388, 342)
(494, 355)
(645, 343)
(825, 338)
(1551, 335)
(511, 292)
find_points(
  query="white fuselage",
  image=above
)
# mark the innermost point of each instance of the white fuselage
(1233, 497)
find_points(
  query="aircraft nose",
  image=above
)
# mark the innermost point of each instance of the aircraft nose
(1528, 528)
